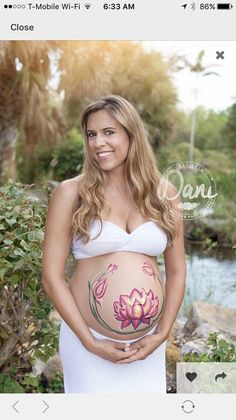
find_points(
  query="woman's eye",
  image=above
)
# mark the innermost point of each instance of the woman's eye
(109, 132)
(91, 134)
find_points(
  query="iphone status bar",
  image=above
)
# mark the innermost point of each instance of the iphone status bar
(117, 20)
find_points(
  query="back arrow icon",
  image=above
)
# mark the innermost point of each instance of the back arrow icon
(14, 408)
(220, 375)
(184, 5)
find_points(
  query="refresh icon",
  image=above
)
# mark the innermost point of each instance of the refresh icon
(188, 406)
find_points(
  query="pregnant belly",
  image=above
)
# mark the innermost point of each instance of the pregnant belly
(122, 295)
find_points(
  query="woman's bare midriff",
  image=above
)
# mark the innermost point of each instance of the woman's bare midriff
(119, 295)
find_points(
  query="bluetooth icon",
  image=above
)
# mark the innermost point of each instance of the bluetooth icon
(193, 6)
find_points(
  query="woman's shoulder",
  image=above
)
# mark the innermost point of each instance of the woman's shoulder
(69, 188)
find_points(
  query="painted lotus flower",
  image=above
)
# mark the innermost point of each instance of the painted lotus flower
(137, 308)
(148, 269)
(112, 267)
(99, 289)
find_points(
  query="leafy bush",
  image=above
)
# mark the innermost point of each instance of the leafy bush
(8, 385)
(56, 386)
(59, 162)
(221, 351)
(30, 384)
(26, 330)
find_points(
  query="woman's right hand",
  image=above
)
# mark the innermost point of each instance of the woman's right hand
(113, 351)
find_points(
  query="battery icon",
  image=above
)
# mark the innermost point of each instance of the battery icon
(224, 6)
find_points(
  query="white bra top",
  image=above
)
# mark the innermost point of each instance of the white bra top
(147, 238)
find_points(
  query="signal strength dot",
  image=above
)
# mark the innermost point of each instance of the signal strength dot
(87, 5)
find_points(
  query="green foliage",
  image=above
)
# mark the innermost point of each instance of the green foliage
(8, 385)
(209, 140)
(26, 331)
(221, 351)
(67, 161)
(57, 385)
(209, 129)
(61, 162)
(30, 384)
(34, 384)
(229, 132)
(215, 150)
(224, 208)
(173, 153)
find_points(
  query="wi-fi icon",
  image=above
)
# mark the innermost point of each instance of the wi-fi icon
(87, 5)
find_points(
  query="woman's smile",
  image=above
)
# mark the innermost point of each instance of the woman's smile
(104, 155)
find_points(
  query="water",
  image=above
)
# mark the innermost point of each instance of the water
(211, 279)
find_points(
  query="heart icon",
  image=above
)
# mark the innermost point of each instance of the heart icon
(191, 376)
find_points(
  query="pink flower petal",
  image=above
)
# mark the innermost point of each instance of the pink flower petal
(136, 323)
(116, 306)
(146, 320)
(124, 300)
(137, 301)
(112, 268)
(119, 318)
(150, 295)
(155, 304)
(129, 312)
(122, 313)
(135, 294)
(125, 323)
(148, 269)
(153, 311)
(147, 306)
(99, 287)
(100, 290)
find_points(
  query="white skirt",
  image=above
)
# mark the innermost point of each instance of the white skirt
(85, 372)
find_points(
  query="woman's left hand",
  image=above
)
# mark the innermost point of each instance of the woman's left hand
(145, 346)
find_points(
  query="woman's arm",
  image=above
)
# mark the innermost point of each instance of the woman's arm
(175, 268)
(56, 249)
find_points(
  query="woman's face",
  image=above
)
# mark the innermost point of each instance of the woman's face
(108, 140)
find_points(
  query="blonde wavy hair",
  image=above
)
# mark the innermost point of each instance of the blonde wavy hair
(142, 176)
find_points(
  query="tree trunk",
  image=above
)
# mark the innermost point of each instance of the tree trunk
(9, 348)
(8, 139)
(15, 327)
(31, 138)
(192, 135)
(10, 108)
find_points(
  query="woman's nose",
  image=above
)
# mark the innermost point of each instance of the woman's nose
(100, 140)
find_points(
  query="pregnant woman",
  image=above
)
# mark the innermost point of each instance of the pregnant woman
(116, 311)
